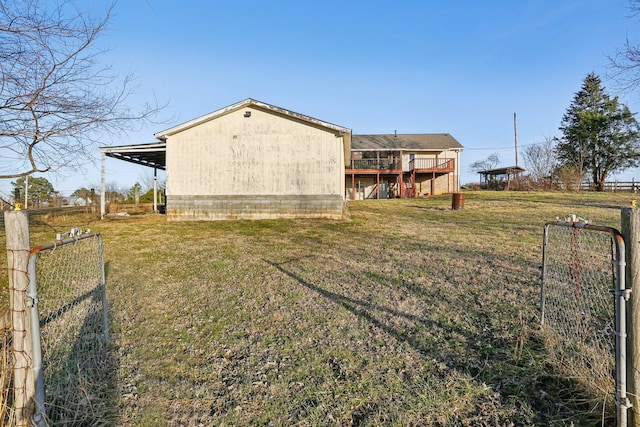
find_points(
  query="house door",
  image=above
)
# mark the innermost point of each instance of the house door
(384, 189)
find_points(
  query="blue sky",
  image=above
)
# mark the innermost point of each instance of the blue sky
(461, 67)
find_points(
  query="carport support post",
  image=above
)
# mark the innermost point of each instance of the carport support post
(18, 248)
(630, 221)
(102, 186)
(155, 190)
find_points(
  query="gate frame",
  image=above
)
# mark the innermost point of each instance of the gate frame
(39, 416)
(622, 295)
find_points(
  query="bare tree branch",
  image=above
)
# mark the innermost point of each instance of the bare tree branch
(625, 63)
(541, 160)
(58, 101)
(486, 164)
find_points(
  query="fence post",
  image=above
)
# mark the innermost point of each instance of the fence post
(630, 222)
(18, 247)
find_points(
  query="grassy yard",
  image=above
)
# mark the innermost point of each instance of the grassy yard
(409, 313)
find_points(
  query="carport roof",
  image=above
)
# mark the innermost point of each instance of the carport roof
(153, 155)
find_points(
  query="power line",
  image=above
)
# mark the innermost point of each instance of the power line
(506, 147)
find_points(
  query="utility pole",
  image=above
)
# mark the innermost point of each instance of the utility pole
(515, 132)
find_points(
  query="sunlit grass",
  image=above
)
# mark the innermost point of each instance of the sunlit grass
(409, 313)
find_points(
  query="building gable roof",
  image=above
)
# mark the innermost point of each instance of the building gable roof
(421, 141)
(249, 102)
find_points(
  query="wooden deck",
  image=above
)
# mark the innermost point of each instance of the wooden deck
(375, 166)
(432, 165)
(402, 180)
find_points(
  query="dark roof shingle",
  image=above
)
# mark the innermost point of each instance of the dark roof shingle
(421, 141)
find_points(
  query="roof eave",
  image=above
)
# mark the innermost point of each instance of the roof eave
(163, 135)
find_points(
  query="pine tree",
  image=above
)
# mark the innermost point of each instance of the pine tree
(600, 135)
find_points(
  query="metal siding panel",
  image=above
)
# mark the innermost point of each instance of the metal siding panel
(261, 154)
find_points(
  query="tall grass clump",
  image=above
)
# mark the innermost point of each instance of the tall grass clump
(6, 384)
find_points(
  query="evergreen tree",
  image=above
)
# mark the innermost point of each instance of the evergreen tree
(86, 194)
(134, 192)
(39, 190)
(600, 135)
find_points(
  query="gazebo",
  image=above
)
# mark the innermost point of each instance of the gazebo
(500, 178)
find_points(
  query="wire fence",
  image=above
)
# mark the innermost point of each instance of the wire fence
(582, 308)
(68, 303)
(58, 348)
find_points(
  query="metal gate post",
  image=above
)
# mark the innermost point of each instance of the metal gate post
(39, 415)
(622, 295)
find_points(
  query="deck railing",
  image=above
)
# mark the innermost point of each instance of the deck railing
(375, 164)
(430, 164)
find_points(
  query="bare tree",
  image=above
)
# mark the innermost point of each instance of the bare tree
(146, 180)
(57, 99)
(487, 164)
(570, 176)
(114, 193)
(625, 63)
(541, 160)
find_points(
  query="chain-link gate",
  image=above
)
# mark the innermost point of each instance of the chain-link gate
(583, 307)
(68, 311)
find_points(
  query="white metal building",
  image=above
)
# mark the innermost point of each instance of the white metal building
(249, 160)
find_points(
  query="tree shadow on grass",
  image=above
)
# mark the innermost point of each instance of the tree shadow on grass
(486, 357)
(360, 308)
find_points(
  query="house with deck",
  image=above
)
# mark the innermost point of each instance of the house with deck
(402, 166)
(253, 160)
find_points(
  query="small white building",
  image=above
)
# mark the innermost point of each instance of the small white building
(249, 160)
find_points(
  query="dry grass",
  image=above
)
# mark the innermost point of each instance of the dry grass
(6, 413)
(407, 314)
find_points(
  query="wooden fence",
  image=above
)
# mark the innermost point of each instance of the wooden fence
(632, 185)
